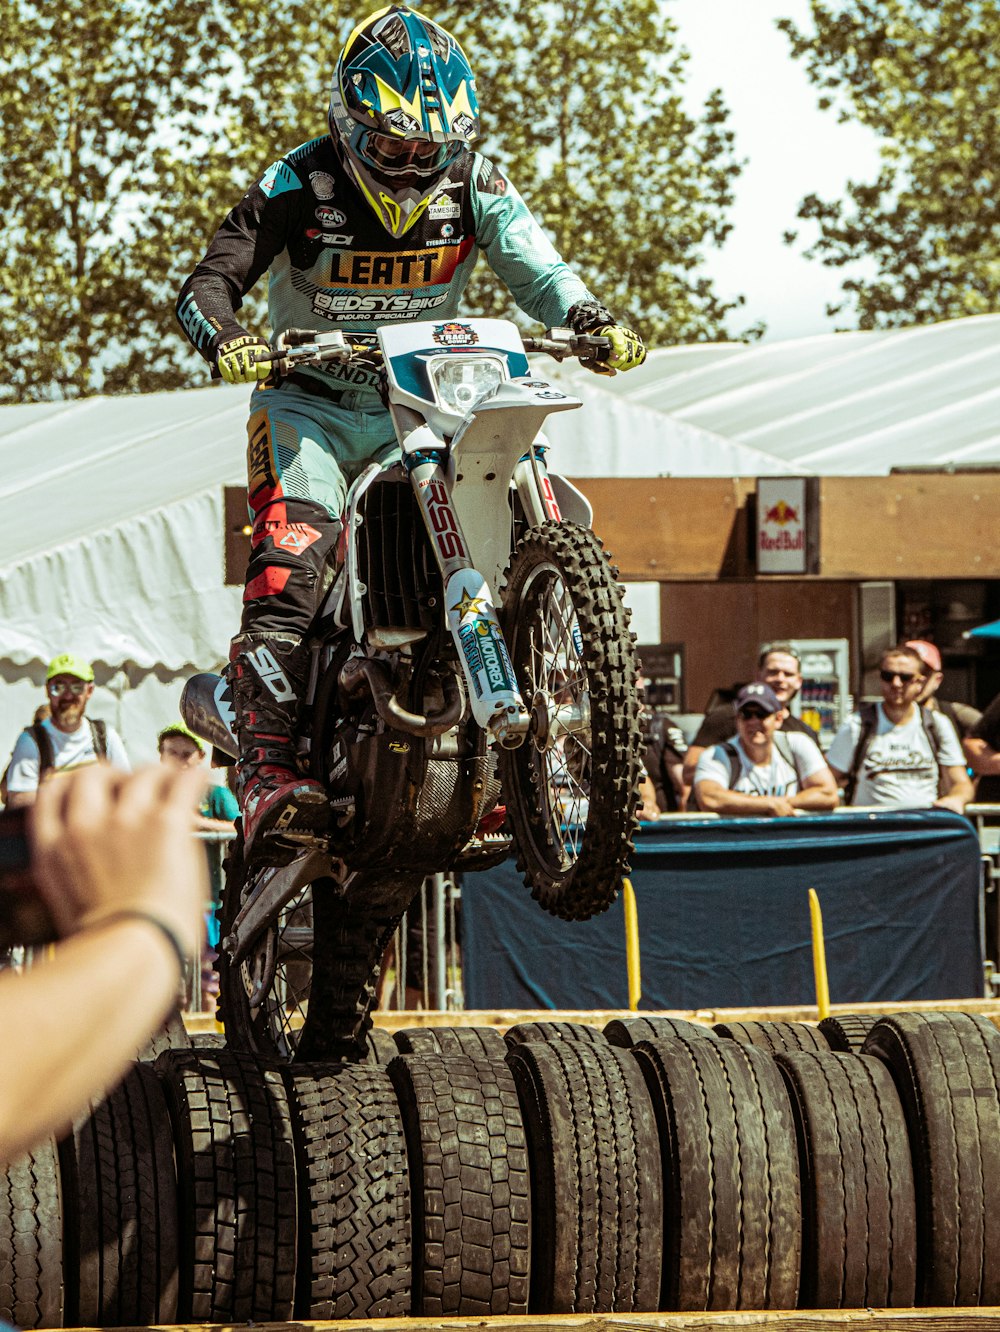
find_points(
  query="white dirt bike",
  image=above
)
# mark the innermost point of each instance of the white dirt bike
(474, 649)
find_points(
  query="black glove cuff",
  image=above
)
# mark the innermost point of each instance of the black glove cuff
(588, 316)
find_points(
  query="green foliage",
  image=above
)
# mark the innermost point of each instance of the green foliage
(924, 75)
(132, 126)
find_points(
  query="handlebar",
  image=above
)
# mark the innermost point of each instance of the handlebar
(297, 347)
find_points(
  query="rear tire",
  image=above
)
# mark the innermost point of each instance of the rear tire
(571, 806)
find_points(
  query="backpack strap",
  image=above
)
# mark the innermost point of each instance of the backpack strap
(735, 766)
(46, 754)
(99, 735)
(868, 713)
(783, 744)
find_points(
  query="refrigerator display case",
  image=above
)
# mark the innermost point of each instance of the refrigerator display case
(824, 702)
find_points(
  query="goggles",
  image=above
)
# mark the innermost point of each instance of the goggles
(390, 154)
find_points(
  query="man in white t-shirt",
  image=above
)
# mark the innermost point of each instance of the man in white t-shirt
(68, 739)
(895, 754)
(759, 774)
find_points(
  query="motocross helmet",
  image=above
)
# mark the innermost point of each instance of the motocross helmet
(402, 109)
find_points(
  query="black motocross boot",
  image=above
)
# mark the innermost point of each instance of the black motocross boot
(283, 810)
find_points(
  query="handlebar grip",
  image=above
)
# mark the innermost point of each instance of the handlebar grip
(293, 335)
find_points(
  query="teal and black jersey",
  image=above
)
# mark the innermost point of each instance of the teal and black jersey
(331, 263)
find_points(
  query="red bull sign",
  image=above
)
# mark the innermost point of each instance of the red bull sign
(782, 530)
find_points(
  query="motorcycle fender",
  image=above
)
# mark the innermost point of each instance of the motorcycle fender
(472, 619)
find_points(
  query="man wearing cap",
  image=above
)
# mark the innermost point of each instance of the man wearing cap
(779, 667)
(68, 739)
(761, 773)
(896, 753)
(181, 748)
(963, 716)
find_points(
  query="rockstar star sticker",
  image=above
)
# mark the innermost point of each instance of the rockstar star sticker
(469, 605)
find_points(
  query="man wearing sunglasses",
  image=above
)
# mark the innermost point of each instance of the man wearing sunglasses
(896, 753)
(758, 774)
(68, 738)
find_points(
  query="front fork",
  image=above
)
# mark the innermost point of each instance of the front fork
(495, 699)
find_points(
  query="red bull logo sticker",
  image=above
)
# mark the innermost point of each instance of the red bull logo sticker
(781, 525)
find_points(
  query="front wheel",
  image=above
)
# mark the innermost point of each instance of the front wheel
(571, 788)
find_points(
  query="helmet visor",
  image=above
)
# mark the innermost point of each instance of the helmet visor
(390, 155)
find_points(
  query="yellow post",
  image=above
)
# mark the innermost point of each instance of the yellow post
(632, 947)
(819, 956)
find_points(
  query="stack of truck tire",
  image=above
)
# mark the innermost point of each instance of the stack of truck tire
(655, 1165)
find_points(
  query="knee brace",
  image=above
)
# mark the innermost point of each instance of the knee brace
(292, 559)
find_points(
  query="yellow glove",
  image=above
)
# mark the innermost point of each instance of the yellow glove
(627, 350)
(237, 360)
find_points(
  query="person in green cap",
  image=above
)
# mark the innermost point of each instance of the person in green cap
(217, 811)
(68, 738)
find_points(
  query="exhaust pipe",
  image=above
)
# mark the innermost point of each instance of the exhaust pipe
(388, 707)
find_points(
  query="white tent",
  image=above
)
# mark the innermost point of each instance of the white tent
(113, 507)
(841, 404)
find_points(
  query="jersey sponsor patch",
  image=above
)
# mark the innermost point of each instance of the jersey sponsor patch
(407, 268)
(279, 178)
(322, 184)
(337, 306)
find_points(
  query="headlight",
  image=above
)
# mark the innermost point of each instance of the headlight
(462, 381)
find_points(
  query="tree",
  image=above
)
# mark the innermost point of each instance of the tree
(132, 126)
(86, 90)
(925, 75)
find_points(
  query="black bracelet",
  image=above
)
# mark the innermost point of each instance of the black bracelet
(168, 932)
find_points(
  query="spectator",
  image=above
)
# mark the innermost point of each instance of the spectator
(982, 750)
(181, 748)
(779, 668)
(114, 860)
(763, 772)
(897, 753)
(62, 742)
(664, 762)
(217, 811)
(963, 716)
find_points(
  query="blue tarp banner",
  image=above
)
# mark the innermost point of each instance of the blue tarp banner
(724, 918)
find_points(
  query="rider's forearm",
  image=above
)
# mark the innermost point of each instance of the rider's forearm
(984, 760)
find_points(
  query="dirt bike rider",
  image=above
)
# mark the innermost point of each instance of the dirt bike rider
(381, 219)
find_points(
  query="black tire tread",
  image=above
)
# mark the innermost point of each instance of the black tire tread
(731, 1175)
(626, 1032)
(592, 882)
(120, 1200)
(470, 1185)
(480, 1042)
(581, 1032)
(354, 1193)
(237, 1186)
(859, 1216)
(775, 1037)
(846, 1032)
(32, 1282)
(946, 1067)
(596, 1178)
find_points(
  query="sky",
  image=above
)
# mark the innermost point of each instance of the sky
(793, 149)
